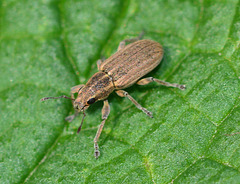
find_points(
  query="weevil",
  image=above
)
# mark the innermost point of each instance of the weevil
(121, 70)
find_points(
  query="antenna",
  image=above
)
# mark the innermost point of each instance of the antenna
(80, 127)
(63, 96)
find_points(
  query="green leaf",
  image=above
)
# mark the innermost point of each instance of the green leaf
(49, 46)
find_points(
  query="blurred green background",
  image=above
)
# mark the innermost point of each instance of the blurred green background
(48, 46)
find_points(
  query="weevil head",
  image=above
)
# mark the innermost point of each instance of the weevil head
(82, 104)
(98, 87)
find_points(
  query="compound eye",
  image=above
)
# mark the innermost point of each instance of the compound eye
(91, 101)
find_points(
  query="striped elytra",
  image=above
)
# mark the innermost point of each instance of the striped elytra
(132, 62)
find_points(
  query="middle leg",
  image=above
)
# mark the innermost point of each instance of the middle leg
(99, 62)
(122, 93)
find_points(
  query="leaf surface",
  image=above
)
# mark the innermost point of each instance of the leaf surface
(49, 46)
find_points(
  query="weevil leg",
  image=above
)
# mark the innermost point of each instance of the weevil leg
(151, 79)
(131, 40)
(72, 117)
(105, 113)
(74, 90)
(99, 62)
(235, 133)
(122, 93)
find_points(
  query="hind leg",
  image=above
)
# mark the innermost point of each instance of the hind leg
(131, 40)
(151, 79)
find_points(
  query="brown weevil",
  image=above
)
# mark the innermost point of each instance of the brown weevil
(119, 71)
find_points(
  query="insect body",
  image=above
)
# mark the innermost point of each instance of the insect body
(121, 70)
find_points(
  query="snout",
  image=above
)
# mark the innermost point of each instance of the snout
(77, 106)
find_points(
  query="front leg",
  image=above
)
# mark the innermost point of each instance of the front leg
(105, 113)
(74, 90)
(122, 93)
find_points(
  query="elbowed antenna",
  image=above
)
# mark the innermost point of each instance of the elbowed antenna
(69, 118)
(63, 96)
(80, 127)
